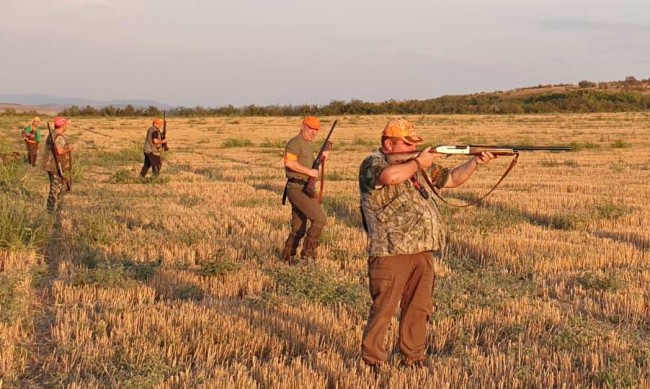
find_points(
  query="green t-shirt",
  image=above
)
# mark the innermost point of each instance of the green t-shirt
(298, 149)
(36, 131)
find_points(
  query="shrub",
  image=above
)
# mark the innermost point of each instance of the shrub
(233, 142)
(619, 144)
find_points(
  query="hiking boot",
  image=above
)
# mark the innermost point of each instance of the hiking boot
(309, 249)
(290, 248)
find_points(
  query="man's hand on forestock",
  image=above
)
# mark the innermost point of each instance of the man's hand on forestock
(312, 173)
(484, 158)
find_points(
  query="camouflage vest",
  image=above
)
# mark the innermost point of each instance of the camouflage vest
(399, 220)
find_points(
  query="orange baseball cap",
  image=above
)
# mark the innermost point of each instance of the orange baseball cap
(60, 121)
(311, 122)
(157, 121)
(402, 128)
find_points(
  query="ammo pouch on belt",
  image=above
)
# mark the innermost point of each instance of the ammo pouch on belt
(286, 187)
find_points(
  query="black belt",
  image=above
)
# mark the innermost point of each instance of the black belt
(297, 180)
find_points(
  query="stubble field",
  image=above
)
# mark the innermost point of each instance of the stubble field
(176, 281)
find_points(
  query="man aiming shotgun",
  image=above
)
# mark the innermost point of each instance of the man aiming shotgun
(405, 232)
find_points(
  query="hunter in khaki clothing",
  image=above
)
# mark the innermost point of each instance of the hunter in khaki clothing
(405, 231)
(153, 146)
(32, 137)
(63, 150)
(298, 159)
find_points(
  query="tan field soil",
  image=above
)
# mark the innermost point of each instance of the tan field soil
(176, 282)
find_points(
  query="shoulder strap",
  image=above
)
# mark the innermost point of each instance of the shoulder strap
(437, 194)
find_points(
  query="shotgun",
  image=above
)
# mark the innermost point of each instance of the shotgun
(310, 187)
(163, 133)
(473, 150)
(402, 157)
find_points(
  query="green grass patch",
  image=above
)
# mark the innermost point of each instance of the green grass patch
(234, 142)
(190, 201)
(579, 146)
(550, 162)
(310, 283)
(365, 142)
(212, 173)
(571, 163)
(567, 221)
(21, 226)
(23, 222)
(9, 298)
(276, 144)
(126, 176)
(599, 282)
(110, 158)
(217, 266)
(337, 176)
(113, 273)
(253, 202)
(611, 211)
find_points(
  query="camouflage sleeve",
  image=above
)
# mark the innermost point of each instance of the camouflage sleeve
(439, 175)
(369, 171)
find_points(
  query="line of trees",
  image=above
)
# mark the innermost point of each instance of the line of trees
(576, 101)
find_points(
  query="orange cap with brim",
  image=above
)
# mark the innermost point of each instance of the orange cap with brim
(157, 121)
(311, 122)
(403, 129)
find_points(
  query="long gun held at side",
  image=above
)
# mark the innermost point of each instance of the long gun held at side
(163, 133)
(474, 150)
(57, 160)
(310, 187)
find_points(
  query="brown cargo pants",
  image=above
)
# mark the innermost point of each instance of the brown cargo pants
(151, 161)
(32, 152)
(303, 208)
(408, 279)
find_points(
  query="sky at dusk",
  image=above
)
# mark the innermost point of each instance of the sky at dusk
(214, 53)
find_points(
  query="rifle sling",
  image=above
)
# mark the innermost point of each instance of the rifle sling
(322, 182)
(435, 191)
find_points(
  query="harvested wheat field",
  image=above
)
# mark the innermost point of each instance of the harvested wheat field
(176, 282)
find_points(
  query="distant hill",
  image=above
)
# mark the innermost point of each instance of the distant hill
(58, 103)
(20, 109)
(629, 84)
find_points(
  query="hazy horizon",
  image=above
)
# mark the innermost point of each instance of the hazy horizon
(216, 53)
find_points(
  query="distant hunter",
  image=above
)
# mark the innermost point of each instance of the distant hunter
(32, 137)
(58, 163)
(298, 161)
(153, 146)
